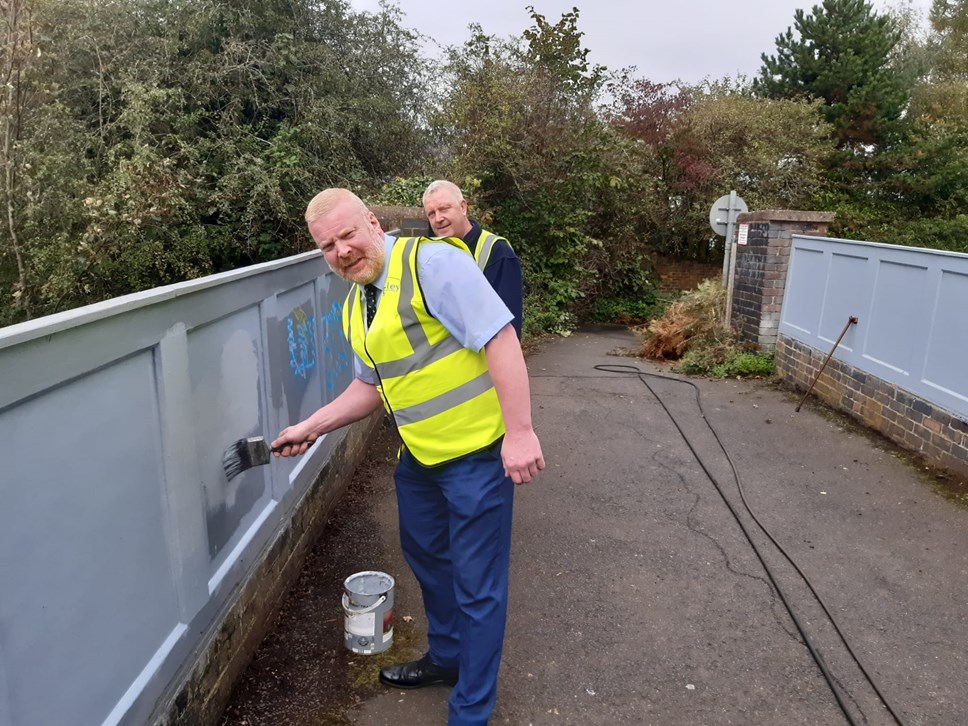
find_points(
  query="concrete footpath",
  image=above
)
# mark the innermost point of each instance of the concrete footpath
(636, 598)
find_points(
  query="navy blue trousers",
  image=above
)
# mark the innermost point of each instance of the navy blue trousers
(455, 530)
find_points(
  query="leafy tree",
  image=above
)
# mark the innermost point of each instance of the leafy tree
(696, 143)
(158, 140)
(651, 115)
(842, 53)
(942, 97)
(520, 119)
(949, 20)
(18, 53)
(915, 190)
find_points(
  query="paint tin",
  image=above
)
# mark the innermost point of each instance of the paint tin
(368, 612)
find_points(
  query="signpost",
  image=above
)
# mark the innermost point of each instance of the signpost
(722, 218)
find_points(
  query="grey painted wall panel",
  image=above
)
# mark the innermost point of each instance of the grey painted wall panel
(337, 355)
(896, 312)
(799, 304)
(6, 717)
(184, 500)
(120, 540)
(225, 370)
(36, 358)
(849, 288)
(946, 367)
(910, 302)
(81, 543)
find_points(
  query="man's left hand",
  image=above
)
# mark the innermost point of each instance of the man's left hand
(522, 457)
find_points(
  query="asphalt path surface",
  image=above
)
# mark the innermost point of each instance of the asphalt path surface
(642, 589)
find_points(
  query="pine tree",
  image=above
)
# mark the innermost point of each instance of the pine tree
(842, 53)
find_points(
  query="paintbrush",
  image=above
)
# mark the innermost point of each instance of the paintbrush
(246, 453)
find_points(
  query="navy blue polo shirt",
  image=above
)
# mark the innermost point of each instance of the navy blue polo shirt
(503, 271)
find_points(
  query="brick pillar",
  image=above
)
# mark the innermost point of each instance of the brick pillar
(761, 269)
(405, 221)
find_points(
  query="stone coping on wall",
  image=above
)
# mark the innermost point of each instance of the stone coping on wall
(786, 215)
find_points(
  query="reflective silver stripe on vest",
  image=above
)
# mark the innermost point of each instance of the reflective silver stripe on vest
(444, 402)
(411, 326)
(484, 247)
(424, 353)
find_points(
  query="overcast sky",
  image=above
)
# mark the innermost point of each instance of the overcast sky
(665, 39)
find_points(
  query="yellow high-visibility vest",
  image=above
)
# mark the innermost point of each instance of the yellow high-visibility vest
(485, 243)
(439, 393)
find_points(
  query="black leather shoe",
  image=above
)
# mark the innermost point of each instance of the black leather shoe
(417, 674)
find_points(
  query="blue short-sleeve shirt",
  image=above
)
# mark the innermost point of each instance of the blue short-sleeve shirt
(455, 292)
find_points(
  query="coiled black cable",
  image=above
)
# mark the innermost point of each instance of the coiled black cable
(815, 654)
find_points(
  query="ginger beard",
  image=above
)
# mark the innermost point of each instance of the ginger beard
(361, 268)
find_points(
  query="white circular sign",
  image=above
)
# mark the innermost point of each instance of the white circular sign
(719, 214)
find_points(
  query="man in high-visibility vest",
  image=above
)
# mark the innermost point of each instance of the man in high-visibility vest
(434, 343)
(446, 211)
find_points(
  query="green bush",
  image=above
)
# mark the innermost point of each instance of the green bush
(631, 311)
(722, 359)
(404, 192)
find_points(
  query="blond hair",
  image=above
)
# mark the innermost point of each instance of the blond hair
(328, 199)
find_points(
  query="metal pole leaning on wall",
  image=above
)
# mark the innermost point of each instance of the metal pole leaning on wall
(852, 320)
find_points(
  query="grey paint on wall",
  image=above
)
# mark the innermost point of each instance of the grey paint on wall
(121, 542)
(81, 541)
(226, 406)
(912, 330)
(335, 350)
(950, 336)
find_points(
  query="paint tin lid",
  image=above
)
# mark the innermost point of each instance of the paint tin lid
(369, 583)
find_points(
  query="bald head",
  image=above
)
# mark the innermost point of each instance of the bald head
(328, 199)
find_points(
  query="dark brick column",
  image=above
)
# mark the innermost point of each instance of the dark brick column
(761, 269)
(406, 221)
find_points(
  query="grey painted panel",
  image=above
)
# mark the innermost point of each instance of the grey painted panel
(82, 545)
(183, 496)
(213, 361)
(848, 293)
(946, 366)
(5, 715)
(295, 366)
(802, 302)
(912, 329)
(225, 364)
(896, 314)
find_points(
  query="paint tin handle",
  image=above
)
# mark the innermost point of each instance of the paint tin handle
(368, 609)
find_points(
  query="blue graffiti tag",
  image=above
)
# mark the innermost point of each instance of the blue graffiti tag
(335, 359)
(302, 342)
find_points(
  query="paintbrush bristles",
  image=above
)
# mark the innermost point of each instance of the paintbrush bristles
(244, 454)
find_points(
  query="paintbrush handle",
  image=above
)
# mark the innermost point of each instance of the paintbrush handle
(278, 449)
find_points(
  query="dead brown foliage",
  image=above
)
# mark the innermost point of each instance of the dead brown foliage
(696, 317)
